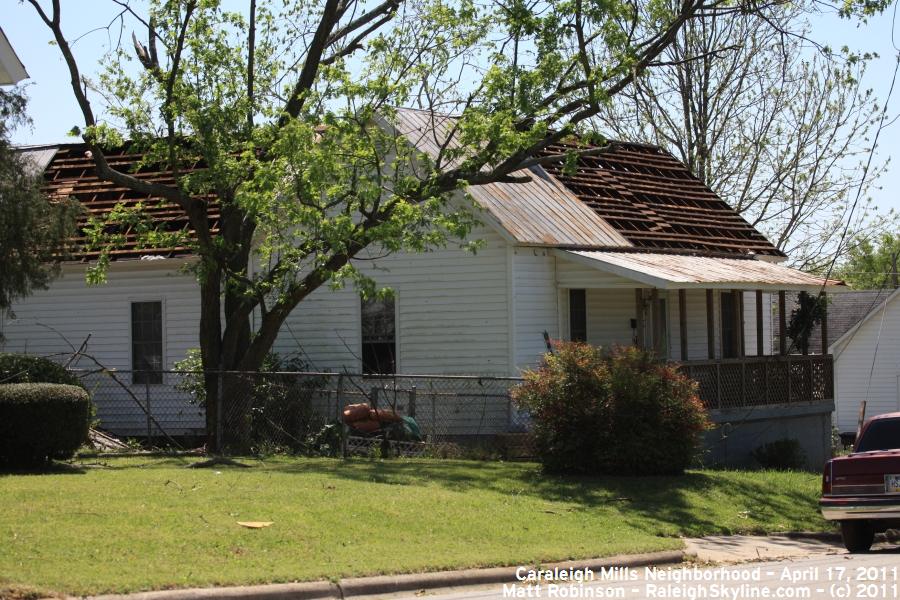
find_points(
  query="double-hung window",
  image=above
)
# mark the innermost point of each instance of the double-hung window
(379, 338)
(146, 342)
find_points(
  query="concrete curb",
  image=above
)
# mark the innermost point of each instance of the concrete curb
(274, 591)
(389, 584)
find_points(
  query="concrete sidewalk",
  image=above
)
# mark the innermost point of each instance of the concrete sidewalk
(731, 549)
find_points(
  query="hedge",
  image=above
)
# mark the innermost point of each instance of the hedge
(25, 368)
(41, 422)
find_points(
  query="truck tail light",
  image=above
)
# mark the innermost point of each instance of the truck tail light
(826, 479)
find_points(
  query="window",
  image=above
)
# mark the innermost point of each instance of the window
(883, 434)
(578, 315)
(379, 347)
(146, 342)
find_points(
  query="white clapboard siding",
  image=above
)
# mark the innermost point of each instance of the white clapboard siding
(856, 357)
(535, 302)
(452, 315)
(70, 312)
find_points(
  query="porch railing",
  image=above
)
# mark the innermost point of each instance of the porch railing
(762, 380)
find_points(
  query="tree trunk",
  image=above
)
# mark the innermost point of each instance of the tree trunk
(211, 348)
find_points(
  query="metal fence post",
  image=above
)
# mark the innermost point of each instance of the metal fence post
(433, 413)
(339, 396)
(345, 430)
(412, 402)
(147, 406)
(219, 415)
(374, 397)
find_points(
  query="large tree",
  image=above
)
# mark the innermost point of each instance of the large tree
(780, 126)
(32, 228)
(873, 264)
(289, 113)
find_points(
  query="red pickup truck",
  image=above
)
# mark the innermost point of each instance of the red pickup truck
(862, 490)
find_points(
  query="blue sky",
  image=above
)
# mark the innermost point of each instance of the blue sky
(54, 111)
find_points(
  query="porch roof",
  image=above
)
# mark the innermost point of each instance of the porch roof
(683, 271)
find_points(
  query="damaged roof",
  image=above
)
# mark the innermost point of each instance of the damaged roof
(653, 200)
(69, 171)
(629, 197)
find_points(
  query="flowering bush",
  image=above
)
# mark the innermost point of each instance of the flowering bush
(611, 412)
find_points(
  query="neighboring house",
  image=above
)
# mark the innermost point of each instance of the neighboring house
(12, 71)
(628, 248)
(866, 329)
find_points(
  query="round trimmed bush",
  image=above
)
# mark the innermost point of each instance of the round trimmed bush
(41, 422)
(618, 412)
(25, 368)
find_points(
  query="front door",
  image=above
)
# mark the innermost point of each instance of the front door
(730, 319)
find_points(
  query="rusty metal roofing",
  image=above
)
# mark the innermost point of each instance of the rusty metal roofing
(680, 271)
(540, 212)
(631, 195)
(70, 172)
(652, 199)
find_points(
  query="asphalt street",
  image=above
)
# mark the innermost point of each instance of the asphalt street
(848, 577)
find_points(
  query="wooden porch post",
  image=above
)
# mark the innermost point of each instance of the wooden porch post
(682, 323)
(655, 335)
(710, 325)
(782, 324)
(639, 307)
(824, 300)
(759, 323)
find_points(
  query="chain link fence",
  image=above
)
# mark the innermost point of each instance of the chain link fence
(291, 411)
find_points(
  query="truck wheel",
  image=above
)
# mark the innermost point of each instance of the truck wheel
(858, 535)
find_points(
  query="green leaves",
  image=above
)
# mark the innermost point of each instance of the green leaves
(33, 228)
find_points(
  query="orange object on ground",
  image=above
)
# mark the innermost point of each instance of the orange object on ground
(356, 412)
(366, 426)
(385, 415)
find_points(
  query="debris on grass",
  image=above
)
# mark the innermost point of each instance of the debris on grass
(104, 442)
(254, 524)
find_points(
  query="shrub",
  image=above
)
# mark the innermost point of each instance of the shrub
(611, 412)
(781, 455)
(41, 422)
(24, 368)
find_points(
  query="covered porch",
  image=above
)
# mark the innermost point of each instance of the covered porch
(723, 319)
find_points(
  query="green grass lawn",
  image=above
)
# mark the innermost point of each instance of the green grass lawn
(133, 524)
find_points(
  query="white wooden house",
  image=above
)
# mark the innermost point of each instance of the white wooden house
(631, 248)
(866, 357)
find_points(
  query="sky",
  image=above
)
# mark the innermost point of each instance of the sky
(54, 111)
